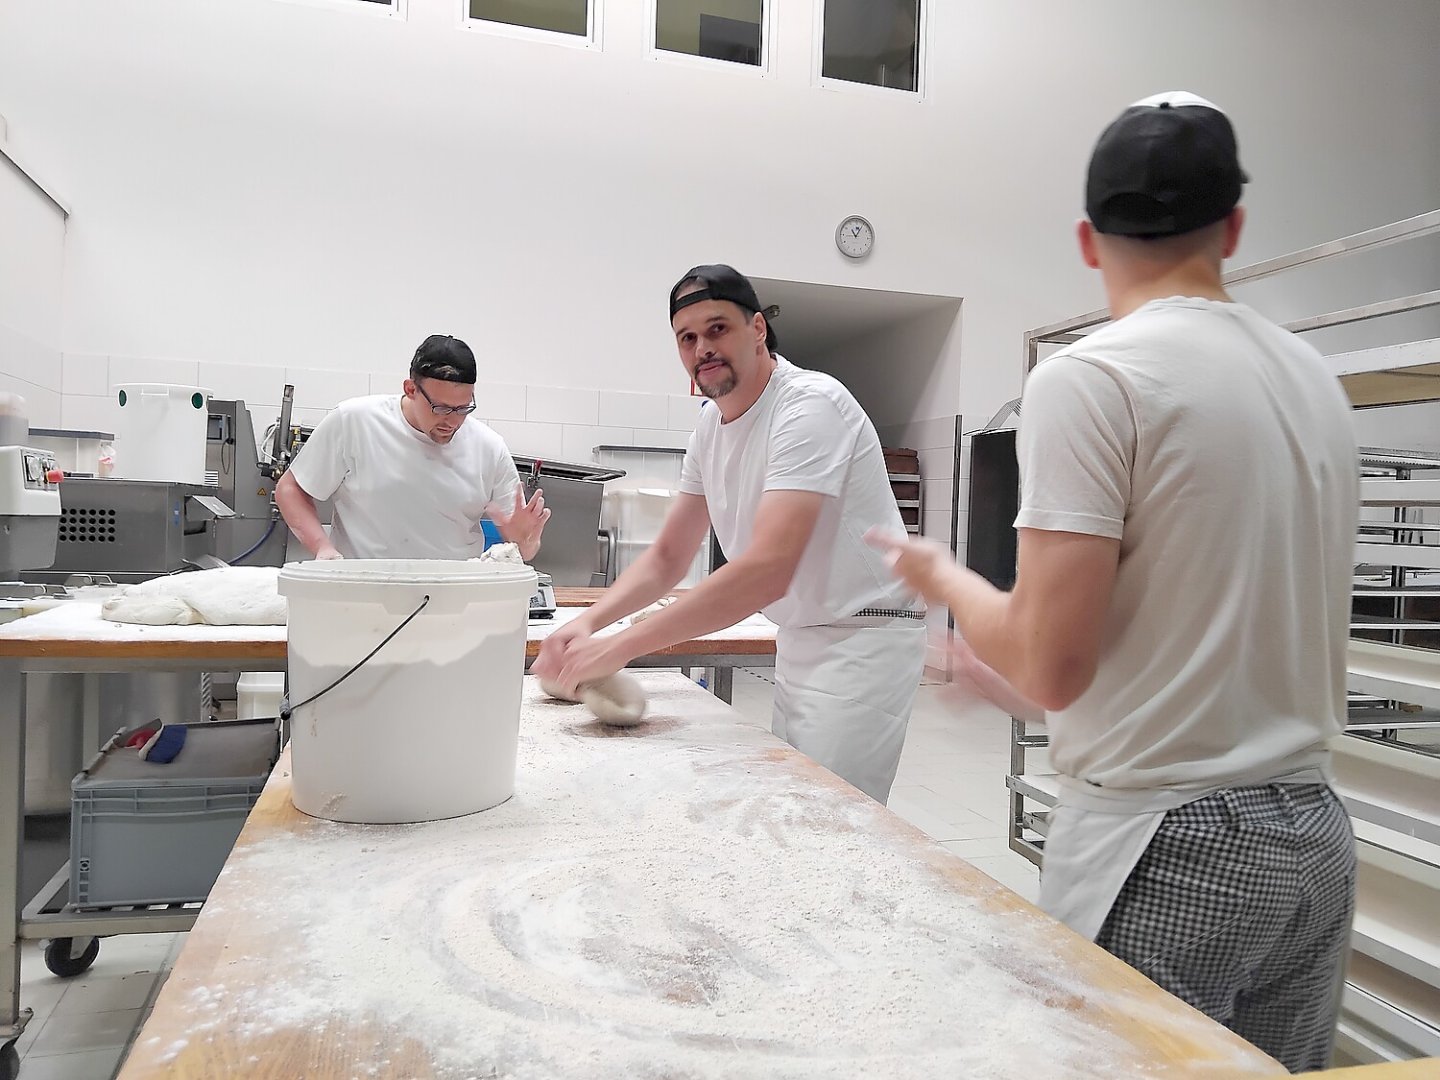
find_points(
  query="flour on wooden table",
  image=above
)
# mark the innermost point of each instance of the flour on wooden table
(644, 907)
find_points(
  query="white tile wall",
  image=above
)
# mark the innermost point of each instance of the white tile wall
(84, 374)
(42, 405)
(683, 411)
(497, 401)
(562, 405)
(936, 494)
(634, 410)
(931, 434)
(938, 464)
(131, 369)
(661, 437)
(936, 524)
(84, 413)
(253, 384)
(28, 360)
(531, 440)
(577, 442)
(307, 417)
(325, 389)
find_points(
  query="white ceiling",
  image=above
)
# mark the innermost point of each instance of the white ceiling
(815, 317)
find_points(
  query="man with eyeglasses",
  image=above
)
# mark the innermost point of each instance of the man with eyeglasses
(409, 477)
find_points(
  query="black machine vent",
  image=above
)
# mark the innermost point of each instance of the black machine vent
(87, 526)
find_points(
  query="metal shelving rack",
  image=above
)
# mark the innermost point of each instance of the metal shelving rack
(1392, 995)
(900, 484)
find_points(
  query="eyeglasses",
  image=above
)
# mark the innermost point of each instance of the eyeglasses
(445, 410)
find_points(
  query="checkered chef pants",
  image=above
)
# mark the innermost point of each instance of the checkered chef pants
(1241, 906)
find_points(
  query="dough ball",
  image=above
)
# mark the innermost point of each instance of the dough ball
(555, 692)
(618, 700)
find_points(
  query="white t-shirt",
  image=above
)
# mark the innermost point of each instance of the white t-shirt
(396, 494)
(1219, 450)
(805, 433)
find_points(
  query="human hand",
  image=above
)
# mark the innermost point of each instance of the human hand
(524, 524)
(555, 647)
(974, 679)
(923, 565)
(327, 552)
(587, 660)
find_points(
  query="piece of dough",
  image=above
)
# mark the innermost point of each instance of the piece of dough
(618, 700)
(554, 691)
(225, 596)
(149, 609)
(645, 613)
(503, 553)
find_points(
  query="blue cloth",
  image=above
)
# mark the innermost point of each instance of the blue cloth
(492, 533)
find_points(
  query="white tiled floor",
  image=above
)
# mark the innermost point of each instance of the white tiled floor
(82, 1026)
(951, 785)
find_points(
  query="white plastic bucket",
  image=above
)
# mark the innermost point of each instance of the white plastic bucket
(160, 432)
(429, 727)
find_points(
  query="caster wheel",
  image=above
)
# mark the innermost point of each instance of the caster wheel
(61, 962)
(9, 1062)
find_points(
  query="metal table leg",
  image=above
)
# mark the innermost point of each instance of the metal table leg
(12, 825)
(723, 683)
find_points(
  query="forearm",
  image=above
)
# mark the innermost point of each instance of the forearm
(298, 510)
(646, 580)
(986, 619)
(735, 591)
(529, 548)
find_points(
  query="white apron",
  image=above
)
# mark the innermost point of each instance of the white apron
(1097, 835)
(843, 695)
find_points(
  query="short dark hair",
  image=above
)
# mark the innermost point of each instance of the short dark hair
(443, 357)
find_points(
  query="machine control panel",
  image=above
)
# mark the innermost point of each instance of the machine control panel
(41, 473)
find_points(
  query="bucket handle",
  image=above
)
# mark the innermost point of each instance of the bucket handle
(287, 710)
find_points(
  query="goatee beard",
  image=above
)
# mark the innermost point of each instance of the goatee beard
(721, 388)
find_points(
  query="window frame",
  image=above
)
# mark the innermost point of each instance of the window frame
(592, 40)
(845, 86)
(709, 63)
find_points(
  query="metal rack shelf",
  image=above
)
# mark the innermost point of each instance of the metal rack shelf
(916, 504)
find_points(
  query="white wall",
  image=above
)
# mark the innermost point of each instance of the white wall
(32, 241)
(260, 182)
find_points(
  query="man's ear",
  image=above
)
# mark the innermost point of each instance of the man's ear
(1234, 225)
(1089, 249)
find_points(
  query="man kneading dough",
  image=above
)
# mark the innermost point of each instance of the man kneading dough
(788, 469)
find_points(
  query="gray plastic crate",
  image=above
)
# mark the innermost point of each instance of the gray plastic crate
(142, 833)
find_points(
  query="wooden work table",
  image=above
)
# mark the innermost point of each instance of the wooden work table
(74, 631)
(689, 898)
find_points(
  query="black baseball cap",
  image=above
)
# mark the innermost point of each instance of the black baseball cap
(1168, 165)
(717, 282)
(443, 357)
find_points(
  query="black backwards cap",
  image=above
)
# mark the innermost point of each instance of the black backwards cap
(717, 282)
(1167, 165)
(443, 357)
